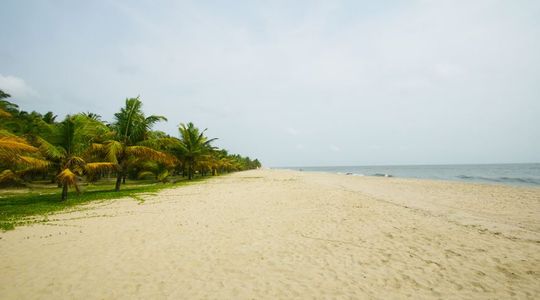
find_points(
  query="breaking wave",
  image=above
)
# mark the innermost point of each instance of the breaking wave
(504, 179)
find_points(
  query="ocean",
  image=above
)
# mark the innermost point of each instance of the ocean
(511, 174)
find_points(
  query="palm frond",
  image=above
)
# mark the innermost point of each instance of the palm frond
(108, 135)
(67, 177)
(95, 150)
(11, 145)
(75, 163)
(148, 153)
(151, 120)
(145, 174)
(5, 133)
(97, 147)
(208, 142)
(160, 143)
(113, 149)
(49, 150)
(4, 114)
(34, 163)
(163, 176)
(8, 176)
(97, 167)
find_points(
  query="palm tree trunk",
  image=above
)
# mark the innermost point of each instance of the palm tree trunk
(189, 170)
(118, 181)
(119, 175)
(64, 192)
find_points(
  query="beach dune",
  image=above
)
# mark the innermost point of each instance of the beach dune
(285, 234)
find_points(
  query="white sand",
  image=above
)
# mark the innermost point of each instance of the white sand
(284, 234)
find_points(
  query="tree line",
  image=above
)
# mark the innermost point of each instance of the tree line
(36, 146)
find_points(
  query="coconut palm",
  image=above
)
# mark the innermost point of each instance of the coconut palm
(33, 143)
(193, 147)
(93, 116)
(4, 113)
(131, 129)
(49, 117)
(11, 145)
(17, 157)
(66, 150)
(6, 107)
(155, 169)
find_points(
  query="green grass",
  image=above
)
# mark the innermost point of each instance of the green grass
(20, 207)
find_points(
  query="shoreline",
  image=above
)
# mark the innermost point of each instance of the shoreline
(381, 175)
(277, 233)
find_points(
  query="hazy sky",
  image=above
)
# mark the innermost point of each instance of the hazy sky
(294, 83)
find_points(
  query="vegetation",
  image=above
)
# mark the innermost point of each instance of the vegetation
(129, 133)
(38, 153)
(66, 150)
(193, 148)
(34, 203)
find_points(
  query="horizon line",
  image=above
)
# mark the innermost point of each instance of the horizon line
(406, 165)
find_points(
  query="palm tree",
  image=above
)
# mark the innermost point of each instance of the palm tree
(193, 146)
(49, 117)
(158, 170)
(4, 95)
(131, 129)
(66, 150)
(4, 113)
(92, 116)
(6, 107)
(11, 145)
(17, 157)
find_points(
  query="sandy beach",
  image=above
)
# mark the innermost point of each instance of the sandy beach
(268, 234)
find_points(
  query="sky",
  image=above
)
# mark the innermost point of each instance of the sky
(294, 83)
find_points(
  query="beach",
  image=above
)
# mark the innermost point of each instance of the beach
(266, 234)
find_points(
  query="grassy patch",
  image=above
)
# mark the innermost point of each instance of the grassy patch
(17, 208)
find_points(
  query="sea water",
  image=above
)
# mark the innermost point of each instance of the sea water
(512, 174)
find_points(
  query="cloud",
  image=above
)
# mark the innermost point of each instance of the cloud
(16, 87)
